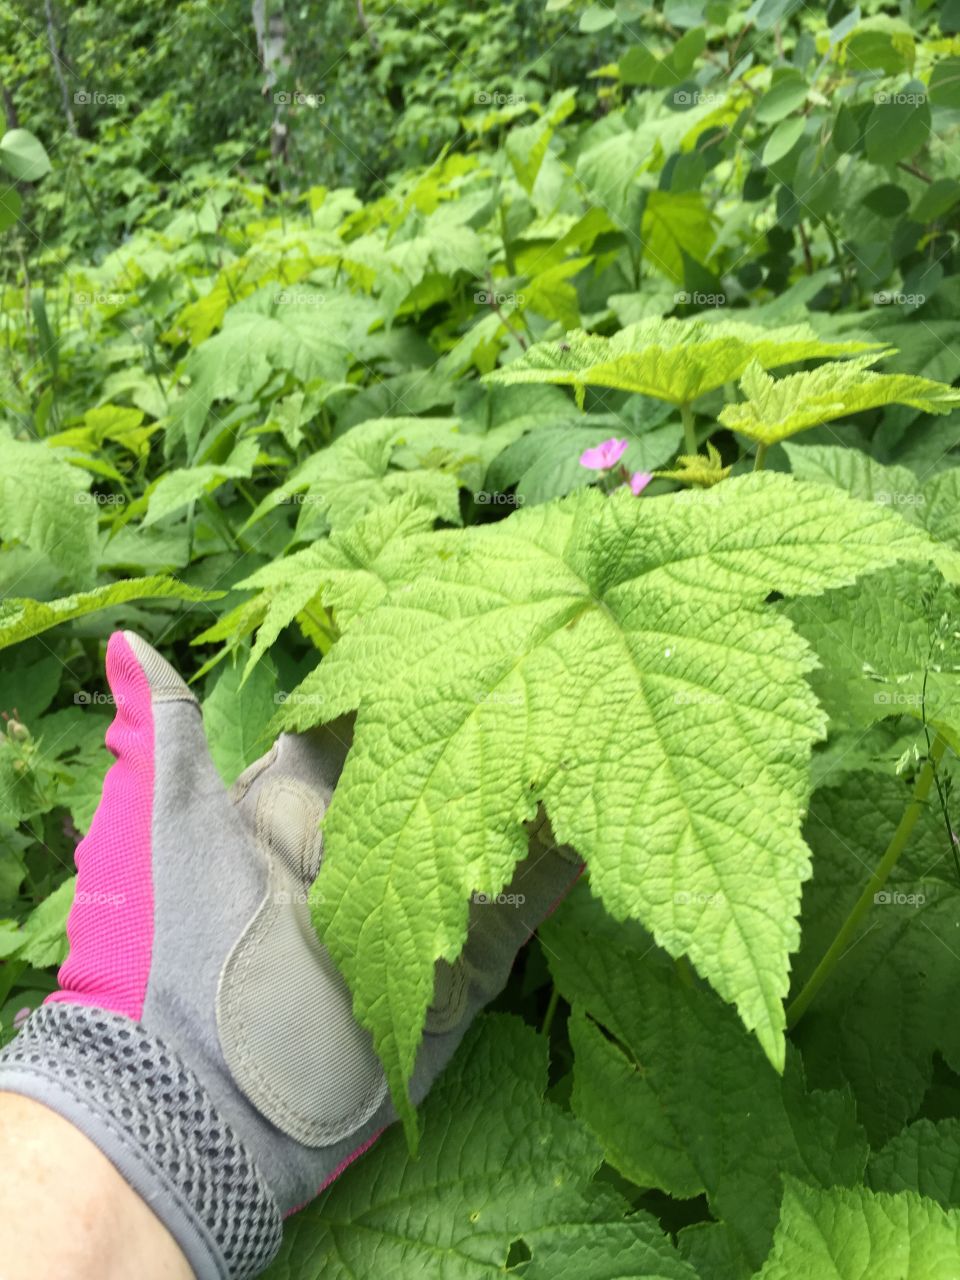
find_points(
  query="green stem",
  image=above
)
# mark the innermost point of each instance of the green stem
(689, 430)
(760, 457)
(507, 254)
(551, 1010)
(898, 842)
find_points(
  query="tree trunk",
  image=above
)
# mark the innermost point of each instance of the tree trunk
(271, 48)
(367, 29)
(55, 42)
(9, 107)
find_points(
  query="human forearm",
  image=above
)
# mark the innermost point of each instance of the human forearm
(68, 1213)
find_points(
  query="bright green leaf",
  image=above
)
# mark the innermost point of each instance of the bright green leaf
(639, 615)
(674, 360)
(783, 139)
(660, 1066)
(897, 130)
(855, 1234)
(236, 714)
(23, 156)
(44, 503)
(787, 92)
(22, 618)
(778, 408)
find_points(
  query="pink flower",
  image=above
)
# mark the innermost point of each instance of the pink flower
(639, 481)
(604, 456)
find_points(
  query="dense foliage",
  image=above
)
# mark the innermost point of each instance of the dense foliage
(569, 393)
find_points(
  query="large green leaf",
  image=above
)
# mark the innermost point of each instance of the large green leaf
(862, 1235)
(348, 570)
(340, 483)
(859, 475)
(680, 1096)
(311, 336)
(777, 408)
(676, 224)
(177, 489)
(572, 654)
(22, 618)
(932, 503)
(879, 1019)
(497, 1164)
(924, 1157)
(236, 715)
(42, 938)
(888, 647)
(675, 360)
(44, 503)
(898, 126)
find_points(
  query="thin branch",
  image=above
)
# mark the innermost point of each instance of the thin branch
(909, 167)
(805, 241)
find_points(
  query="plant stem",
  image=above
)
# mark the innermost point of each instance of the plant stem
(915, 170)
(507, 253)
(898, 842)
(689, 430)
(551, 1010)
(805, 242)
(760, 457)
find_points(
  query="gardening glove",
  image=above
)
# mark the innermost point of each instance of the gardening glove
(201, 1035)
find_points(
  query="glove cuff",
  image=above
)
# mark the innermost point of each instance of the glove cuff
(152, 1118)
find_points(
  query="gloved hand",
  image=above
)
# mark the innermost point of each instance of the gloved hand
(201, 1036)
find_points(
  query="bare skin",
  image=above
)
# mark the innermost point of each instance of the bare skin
(68, 1214)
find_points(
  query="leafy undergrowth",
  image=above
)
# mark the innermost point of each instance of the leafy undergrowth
(605, 467)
